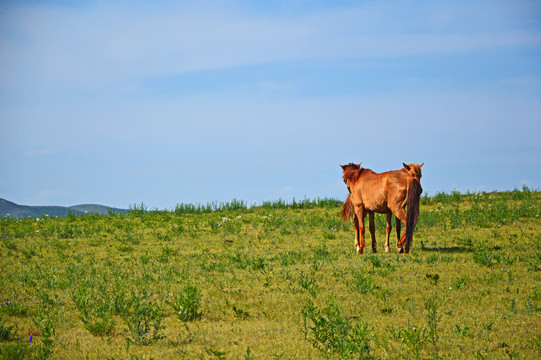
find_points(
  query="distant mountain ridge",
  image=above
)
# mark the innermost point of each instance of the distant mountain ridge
(8, 208)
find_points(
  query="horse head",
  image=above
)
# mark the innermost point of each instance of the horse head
(414, 170)
(351, 173)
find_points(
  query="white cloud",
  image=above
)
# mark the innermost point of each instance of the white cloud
(286, 191)
(45, 196)
(40, 153)
(108, 42)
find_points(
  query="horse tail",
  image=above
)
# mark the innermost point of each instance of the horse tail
(414, 194)
(347, 209)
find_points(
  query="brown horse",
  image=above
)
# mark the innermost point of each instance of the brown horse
(371, 224)
(387, 193)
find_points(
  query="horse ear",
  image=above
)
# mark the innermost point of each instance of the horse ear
(406, 166)
(360, 164)
(422, 165)
(343, 167)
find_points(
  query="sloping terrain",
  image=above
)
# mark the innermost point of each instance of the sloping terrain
(275, 281)
(8, 208)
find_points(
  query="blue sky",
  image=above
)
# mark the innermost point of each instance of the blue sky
(167, 102)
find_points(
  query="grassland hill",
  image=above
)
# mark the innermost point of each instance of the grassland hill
(8, 208)
(274, 281)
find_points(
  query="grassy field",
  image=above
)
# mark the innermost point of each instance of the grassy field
(276, 281)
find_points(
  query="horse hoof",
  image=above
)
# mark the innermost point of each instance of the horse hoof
(360, 250)
(386, 249)
(400, 250)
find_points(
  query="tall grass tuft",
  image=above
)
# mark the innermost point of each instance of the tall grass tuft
(486, 256)
(144, 317)
(7, 333)
(433, 318)
(334, 334)
(187, 303)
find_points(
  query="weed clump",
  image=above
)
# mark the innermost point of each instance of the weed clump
(144, 317)
(187, 303)
(7, 333)
(486, 256)
(333, 333)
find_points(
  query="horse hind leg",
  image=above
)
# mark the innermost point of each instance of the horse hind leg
(400, 215)
(372, 227)
(388, 231)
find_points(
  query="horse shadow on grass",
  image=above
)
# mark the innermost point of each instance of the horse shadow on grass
(448, 249)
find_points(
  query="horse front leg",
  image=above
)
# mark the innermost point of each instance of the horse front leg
(388, 230)
(372, 227)
(359, 240)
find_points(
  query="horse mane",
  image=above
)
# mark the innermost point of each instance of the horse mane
(352, 172)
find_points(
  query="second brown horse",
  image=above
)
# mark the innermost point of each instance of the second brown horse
(386, 193)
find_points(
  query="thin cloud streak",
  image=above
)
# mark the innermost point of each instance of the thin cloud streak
(70, 48)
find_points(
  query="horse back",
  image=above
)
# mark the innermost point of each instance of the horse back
(371, 191)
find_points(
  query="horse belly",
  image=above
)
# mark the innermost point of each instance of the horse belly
(382, 209)
(377, 205)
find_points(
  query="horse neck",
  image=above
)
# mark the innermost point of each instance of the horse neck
(413, 176)
(364, 175)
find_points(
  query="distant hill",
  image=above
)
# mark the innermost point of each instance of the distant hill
(8, 208)
(95, 208)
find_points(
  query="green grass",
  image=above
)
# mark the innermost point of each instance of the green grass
(279, 280)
